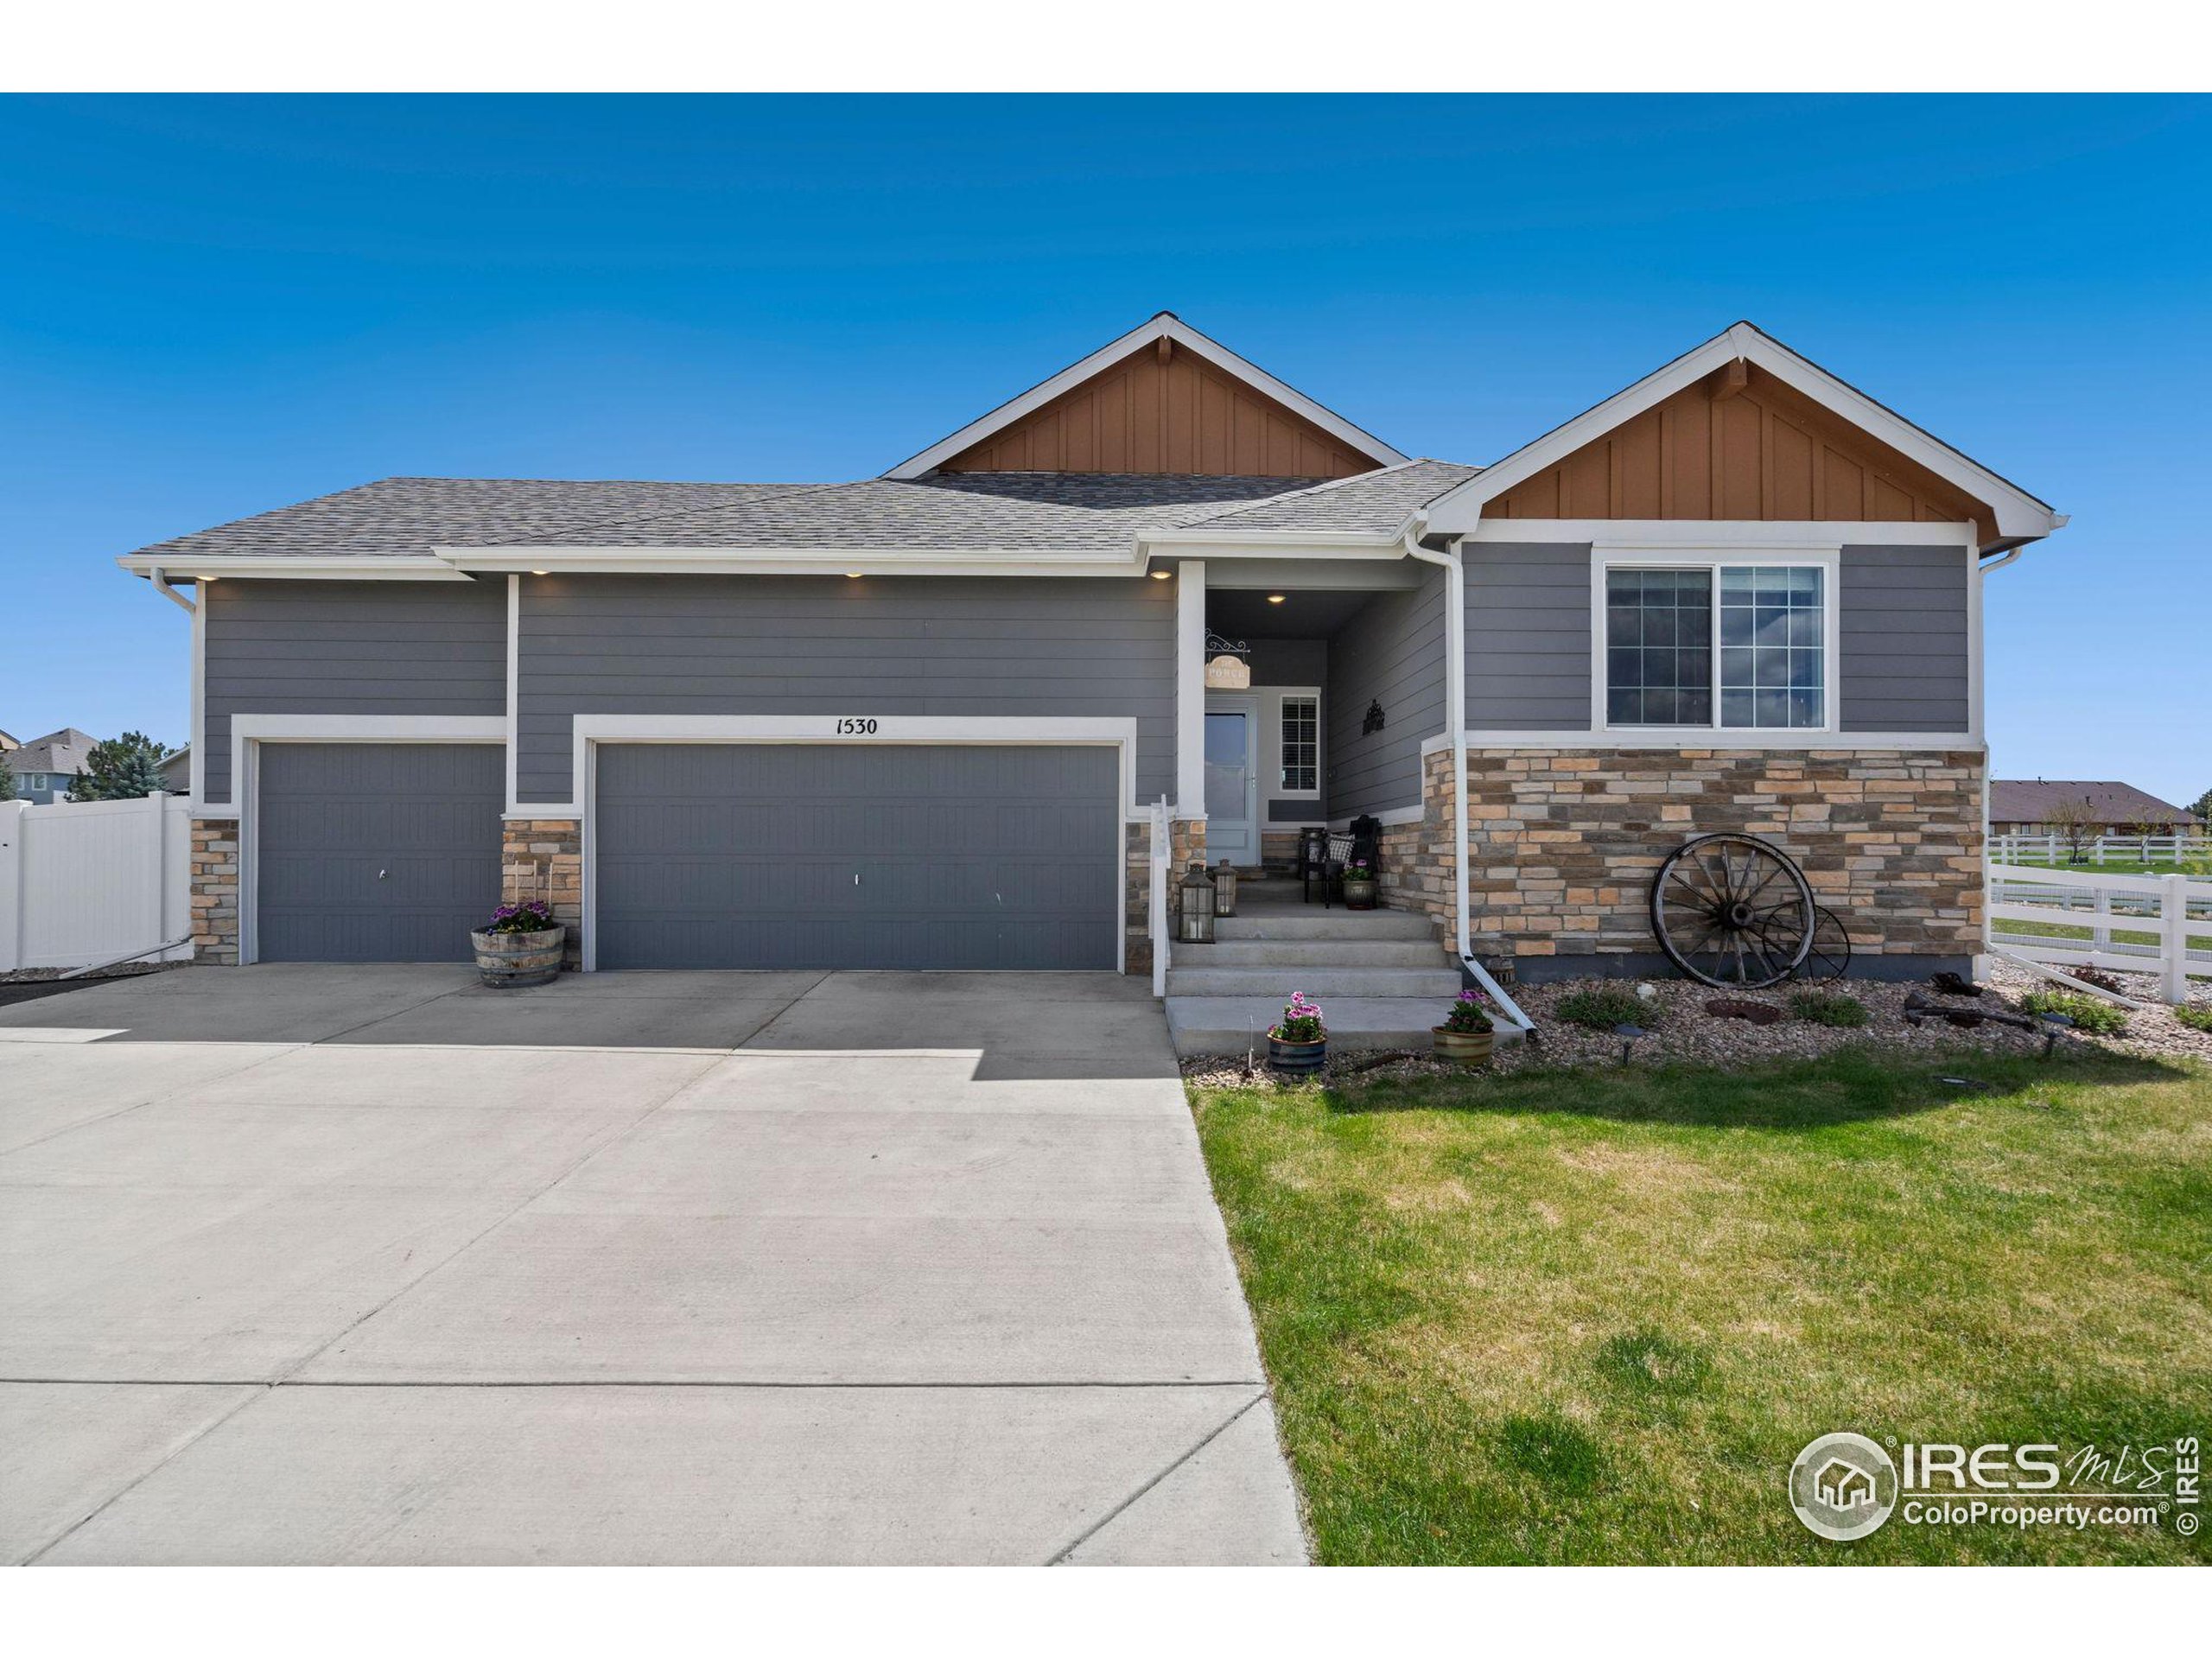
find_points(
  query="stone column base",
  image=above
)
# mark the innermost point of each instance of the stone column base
(215, 891)
(542, 860)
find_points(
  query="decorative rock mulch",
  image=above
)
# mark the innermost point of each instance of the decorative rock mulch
(1682, 1032)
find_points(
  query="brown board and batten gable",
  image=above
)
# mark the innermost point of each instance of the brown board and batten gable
(1740, 445)
(1163, 410)
(1160, 399)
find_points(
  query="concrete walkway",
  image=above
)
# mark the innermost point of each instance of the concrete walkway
(371, 1265)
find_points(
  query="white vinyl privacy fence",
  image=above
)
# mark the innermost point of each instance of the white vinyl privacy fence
(87, 883)
(2158, 924)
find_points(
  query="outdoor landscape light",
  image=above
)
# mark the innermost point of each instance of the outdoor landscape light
(1196, 926)
(1628, 1035)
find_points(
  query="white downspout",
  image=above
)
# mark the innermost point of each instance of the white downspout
(162, 587)
(1455, 693)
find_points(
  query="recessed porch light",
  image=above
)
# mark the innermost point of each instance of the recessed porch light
(1274, 599)
(541, 573)
(1161, 575)
(852, 575)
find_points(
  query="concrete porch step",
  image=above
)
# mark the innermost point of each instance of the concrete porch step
(1277, 981)
(1225, 1024)
(1311, 922)
(1310, 953)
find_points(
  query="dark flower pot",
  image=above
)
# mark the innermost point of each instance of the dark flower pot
(1297, 1059)
(510, 961)
(1359, 895)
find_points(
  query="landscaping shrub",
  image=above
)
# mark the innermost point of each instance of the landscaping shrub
(2098, 977)
(1829, 1008)
(2087, 1013)
(1603, 1007)
(2197, 1016)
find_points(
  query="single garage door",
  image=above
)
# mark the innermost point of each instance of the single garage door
(859, 856)
(375, 852)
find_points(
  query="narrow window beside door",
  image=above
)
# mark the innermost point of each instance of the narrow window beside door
(1302, 743)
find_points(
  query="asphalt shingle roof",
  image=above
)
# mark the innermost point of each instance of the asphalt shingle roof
(66, 750)
(1377, 503)
(2030, 801)
(1040, 512)
(953, 510)
(401, 515)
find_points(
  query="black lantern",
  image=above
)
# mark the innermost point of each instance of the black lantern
(1224, 888)
(1197, 924)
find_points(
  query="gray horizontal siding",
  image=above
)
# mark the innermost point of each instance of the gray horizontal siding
(348, 648)
(1088, 648)
(1391, 652)
(1902, 635)
(1529, 636)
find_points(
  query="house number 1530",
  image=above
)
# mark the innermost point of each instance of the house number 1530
(856, 728)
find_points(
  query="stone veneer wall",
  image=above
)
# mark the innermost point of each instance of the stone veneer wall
(1186, 840)
(1564, 844)
(543, 859)
(215, 891)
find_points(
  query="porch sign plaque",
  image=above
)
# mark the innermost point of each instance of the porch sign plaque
(1227, 673)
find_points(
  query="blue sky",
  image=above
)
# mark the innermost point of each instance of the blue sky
(213, 307)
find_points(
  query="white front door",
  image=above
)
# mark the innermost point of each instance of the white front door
(1232, 780)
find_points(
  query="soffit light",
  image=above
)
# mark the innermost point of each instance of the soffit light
(1161, 575)
(1274, 599)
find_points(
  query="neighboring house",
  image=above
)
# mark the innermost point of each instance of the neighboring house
(45, 767)
(2023, 807)
(176, 772)
(922, 719)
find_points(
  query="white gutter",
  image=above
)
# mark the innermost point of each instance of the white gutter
(1455, 692)
(162, 587)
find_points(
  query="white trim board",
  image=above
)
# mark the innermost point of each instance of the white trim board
(2019, 515)
(1707, 741)
(1723, 535)
(1164, 325)
(592, 730)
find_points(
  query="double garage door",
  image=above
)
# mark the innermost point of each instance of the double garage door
(860, 855)
(710, 856)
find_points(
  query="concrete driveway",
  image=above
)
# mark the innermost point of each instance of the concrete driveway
(309, 1264)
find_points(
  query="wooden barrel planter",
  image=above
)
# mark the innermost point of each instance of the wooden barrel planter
(1463, 1047)
(510, 961)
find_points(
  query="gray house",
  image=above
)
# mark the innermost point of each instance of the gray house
(929, 719)
(45, 767)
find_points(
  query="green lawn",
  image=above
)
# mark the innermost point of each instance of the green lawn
(1592, 1317)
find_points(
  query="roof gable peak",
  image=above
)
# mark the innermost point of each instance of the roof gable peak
(1180, 430)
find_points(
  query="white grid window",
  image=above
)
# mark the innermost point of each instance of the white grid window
(1302, 743)
(1768, 670)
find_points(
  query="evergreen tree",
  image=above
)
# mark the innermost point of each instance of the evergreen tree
(2203, 807)
(7, 780)
(125, 768)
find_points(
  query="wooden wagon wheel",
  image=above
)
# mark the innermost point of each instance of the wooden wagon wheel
(1732, 911)
(1829, 959)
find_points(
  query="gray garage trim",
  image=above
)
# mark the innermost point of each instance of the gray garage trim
(374, 852)
(745, 855)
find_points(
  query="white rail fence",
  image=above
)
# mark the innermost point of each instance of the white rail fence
(2099, 849)
(82, 883)
(2158, 924)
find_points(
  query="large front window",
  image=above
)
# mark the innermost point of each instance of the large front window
(1769, 672)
